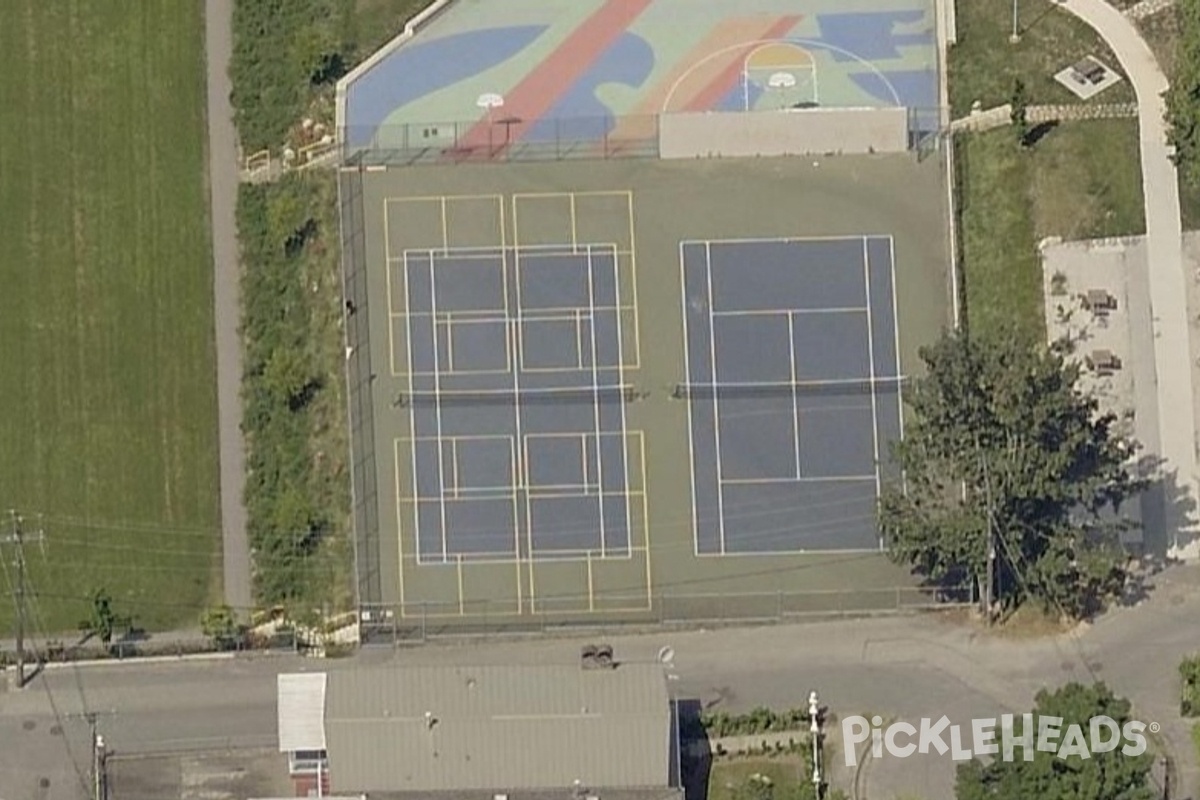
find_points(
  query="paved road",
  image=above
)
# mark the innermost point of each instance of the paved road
(223, 188)
(898, 667)
(1168, 295)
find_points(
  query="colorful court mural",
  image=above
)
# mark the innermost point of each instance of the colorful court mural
(541, 70)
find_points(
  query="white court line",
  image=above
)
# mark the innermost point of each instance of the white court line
(412, 430)
(687, 372)
(779, 239)
(712, 348)
(579, 338)
(437, 408)
(769, 312)
(519, 344)
(896, 331)
(583, 462)
(795, 398)
(596, 406)
(624, 421)
(871, 363)
(769, 481)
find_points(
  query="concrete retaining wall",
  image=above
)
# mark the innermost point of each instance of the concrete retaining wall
(795, 132)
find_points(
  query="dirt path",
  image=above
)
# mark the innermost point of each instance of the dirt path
(223, 186)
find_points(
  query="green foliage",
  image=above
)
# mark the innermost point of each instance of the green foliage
(1189, 673)
(996, 419)
(1019, 114)
(1102, 776)
(1183, 96)
(281, 49)
(220, 624)
(104, 619)
(718, 725)
(289, 389)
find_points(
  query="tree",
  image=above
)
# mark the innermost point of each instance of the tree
(999, 423)
(220, 624)
(1111, 775)
(1183, 96)
(104, 619)
(1019, 115)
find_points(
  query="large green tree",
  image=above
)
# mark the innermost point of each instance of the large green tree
(1111, 775)
(1183, 96)
(1000, 433)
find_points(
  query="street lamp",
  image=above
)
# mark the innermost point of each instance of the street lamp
(814, 716)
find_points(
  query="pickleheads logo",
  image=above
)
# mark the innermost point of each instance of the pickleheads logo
(1037, 734)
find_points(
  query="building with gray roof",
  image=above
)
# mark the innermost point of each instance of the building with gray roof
(489, 731)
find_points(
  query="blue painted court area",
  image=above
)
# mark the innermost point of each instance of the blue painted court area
(793, 389)
(519, 446)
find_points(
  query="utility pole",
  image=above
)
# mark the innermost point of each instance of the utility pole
(17, 537)
(99, 753)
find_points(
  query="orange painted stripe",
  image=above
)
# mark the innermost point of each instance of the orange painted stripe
(726, 78)
(640, 122)
(540, 90)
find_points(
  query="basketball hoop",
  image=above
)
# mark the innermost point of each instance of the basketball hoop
(781, 80)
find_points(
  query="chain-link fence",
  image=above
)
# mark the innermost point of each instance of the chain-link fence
(500, 138)
(395, 624)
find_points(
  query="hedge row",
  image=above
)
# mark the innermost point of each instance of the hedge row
(296, 492)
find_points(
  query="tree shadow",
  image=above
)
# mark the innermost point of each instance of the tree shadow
(1038, 132)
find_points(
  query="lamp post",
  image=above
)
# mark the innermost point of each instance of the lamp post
(814, 716)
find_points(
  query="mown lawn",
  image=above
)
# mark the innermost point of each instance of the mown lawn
(984, 65)
(106, 341)
(1081, 180)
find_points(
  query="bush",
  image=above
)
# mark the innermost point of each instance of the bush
(294, 497)
(1189, 672)
(1183, 96)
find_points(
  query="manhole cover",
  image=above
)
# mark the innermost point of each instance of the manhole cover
(43, 783)
(56, 730)
(28, 725)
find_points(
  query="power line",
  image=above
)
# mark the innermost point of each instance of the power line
(17, 538)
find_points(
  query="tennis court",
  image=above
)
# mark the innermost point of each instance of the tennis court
(793, 391)
(516, 402)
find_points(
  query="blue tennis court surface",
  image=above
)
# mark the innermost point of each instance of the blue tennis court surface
(515, 362)
(793, 387)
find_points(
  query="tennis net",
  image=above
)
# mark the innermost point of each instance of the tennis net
(833, 388)
(582, 394)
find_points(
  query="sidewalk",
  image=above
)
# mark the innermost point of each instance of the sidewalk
(1164, 242)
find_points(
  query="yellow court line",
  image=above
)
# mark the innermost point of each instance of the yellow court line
(462, 612)
(399, 523)
(646, 521)
(590, 586)
(445, 227)
(637, 330)
(574, 235)
(387, 238)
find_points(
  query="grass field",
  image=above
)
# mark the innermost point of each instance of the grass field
(984, 65)
(1080, 181)
(106, 343)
